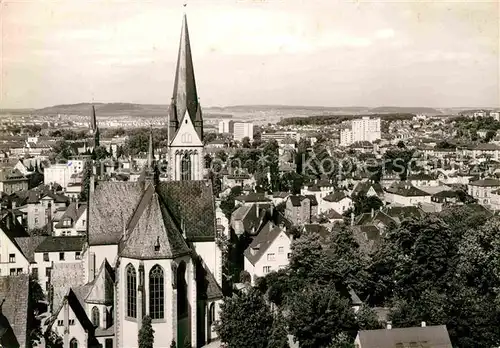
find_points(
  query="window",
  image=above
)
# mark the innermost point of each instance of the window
(46, 257)
(95, 316)
(218, 221)
(77, 255)
(108, 343)
(61, 256)
(271, 257)
(60, 323)
(72, 322)
(12, 271)
(288, 256)
(186, 167)
(19, 271)
(12, 258)
(156, 293)
(266, 269)
(34, 272)
(281, 250)
(131, 291)
(73, 343)
(47, 272)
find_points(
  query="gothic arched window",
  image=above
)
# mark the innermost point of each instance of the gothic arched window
(73, 343)
(186, 167)
(156, 293)
(131, 291)
(95, 316)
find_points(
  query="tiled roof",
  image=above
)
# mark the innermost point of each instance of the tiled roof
(28, 245)
(335, 197)
(152, 224)
(297, 200)
(485, 183)
(364, 187)
(65, 276)
(14, 292)
(318, 229)
(100, 290)
(262, 241)
(193, 203)
(73, 213)
(253, 197)
(406, 189)
(111, 205)
(429, 337)
(60, 244)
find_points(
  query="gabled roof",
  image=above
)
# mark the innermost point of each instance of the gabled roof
(152, 225)
(100, 290)
(61, 244)
(297, 200)
(335, 196)
(28, 245)
(73, 212)
(428, 337)
(485, 183)
(406, 189)
(190, 203)
(253, 197)
(262, 241)
(14, 292)
(364, 187)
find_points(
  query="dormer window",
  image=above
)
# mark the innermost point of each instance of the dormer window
(157, 244)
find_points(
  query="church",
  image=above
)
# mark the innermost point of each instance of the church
(151, 246)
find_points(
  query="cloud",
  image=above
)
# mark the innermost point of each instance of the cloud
(385, 34)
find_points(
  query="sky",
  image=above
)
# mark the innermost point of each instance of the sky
(288, 52)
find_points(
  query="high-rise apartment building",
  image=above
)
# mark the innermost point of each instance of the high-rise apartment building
(363, 129)
(226, 126)
(242, 130)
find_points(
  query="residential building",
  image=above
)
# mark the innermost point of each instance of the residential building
(269, 251)
(53, 250)
(226, 126)
(405, 194)
(12, 180)
(58, 173)
(338, 201)
(300, 209)
(243, 130)
(424, 336)
(482, 190)
(363, 129)
(73, 221)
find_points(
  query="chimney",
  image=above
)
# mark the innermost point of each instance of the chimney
(91, 266)
(92, 184)
(423, 324)
(352, 219)
(49, 219)
(389, 325)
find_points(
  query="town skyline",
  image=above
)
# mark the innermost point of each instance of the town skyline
(396, 54)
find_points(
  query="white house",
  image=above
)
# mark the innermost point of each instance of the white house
(405, 194)
(269, 251)
(337, 201)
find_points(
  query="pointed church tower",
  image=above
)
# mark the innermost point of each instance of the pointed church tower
(185, 118)
(94, 129)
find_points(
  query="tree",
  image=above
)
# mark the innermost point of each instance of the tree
(245, 143)
(100, 153)
(35, 296)
(87, 174)
(279, 334)
(146, 333)
(318, 314)
(367, 319)
(227, 205)
(245, 321)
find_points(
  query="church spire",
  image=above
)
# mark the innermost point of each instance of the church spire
(94, 129)
(185, 96)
